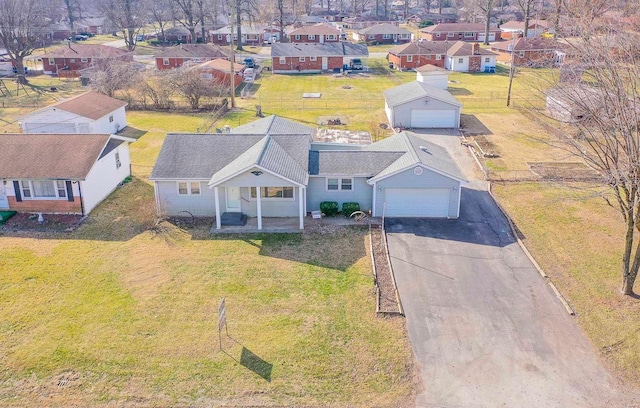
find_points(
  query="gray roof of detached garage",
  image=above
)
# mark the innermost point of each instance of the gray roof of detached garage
(343, 48)
(415, 90)
(201, 156)
(50, 156)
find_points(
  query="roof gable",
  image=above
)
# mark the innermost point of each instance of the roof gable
(420, 47)
(331, 49)
(415, 90)
(49, 156)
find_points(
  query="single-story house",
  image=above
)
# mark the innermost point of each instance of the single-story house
(436, 18)
(174, 57)
(459, 31)
(308, 20)
(218, 70)
(470, 57)
(317, 33)
(536, 28)
(67, 174)
(250, 35)
(419, 105)
(274, 125)
(62, 30)
(539, 52)
(314, 58)
(384, 33)
(67, 61)
(417, 53)
(432, 75)
(360, 22)
(90, 112)
(286, 175)
(181, 35)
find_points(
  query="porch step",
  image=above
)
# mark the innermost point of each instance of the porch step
(233, 218)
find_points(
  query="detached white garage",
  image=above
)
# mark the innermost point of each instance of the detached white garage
(418, 105)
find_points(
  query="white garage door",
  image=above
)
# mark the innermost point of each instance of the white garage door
(416, 202)
(51, 128)
(481, 36)
(433, 118)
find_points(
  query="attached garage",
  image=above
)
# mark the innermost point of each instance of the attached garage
(418, 105)
(436, 118)
(417, 202)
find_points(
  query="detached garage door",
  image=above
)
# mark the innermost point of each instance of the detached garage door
(431, 118)
(51, 128)
(417, 202)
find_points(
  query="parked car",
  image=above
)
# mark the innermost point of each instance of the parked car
(78, 37)
(355, 64)
(249, 62)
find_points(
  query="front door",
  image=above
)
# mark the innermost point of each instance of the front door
(233, 199)
(325, 64)
(4, 201)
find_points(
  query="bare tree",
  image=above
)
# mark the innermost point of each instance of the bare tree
(188, 82)
(23, 24)
(111, 75)
(280, 10)
(603, 106)
(162, 11)
(127, 16)
(487, 7)
(73, 11)
(243, 9)
(525, 6)
(158, 89)
(189, 15)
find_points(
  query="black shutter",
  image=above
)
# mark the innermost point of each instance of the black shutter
(16, 188)
(69, 190)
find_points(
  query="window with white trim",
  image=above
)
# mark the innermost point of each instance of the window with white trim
(468, 34)
(460, 60)
(451, 34)
(487, 60)
(110, 118)
(72, 61)
(409, 58)
(386, 36)
(331, 37)
(188, 188)
(521, 54)
(283, 60)
(313, 58)
(273, 192)
(311, 37)
(84, 59)
(43, 189)
(301, 59)
(437, 34)
(371, 36)
(296, 37)
(165, 61)
(438, 57)
(52, 61)
(339, 184)
(118, 163)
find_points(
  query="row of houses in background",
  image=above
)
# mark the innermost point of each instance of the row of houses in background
(458, 56)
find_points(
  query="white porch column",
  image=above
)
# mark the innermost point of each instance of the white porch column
(301, 192)
(217, 200)
(259, 206)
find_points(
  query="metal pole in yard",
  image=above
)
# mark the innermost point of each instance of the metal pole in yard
(233, 57)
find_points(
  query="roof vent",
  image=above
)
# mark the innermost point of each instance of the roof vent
(424, 149)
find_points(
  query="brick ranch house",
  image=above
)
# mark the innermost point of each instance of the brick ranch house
(384, 33)
(537, 51)
(317, 33)
(250, 36)
(459, 31)
(418, 53)
(314, 58)
(60, 173)
(175, 57)
(67, 61)
(218, 70)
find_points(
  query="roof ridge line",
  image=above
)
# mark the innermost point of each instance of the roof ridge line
(264, 148)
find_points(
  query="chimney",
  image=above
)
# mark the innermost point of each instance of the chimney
(475, 49)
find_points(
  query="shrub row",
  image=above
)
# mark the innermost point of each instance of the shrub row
(330, 208)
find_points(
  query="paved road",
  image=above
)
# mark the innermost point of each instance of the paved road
(486, 329)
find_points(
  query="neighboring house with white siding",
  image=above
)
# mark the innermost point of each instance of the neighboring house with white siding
(90, 112)
(272, 168)
(61, 173)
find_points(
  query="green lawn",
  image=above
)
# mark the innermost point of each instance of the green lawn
(578, 239)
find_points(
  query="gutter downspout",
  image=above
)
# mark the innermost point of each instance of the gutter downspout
(81, 199)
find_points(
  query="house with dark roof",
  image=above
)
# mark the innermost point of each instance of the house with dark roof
(90, 112)
(67, 61)
(316, 33)
(273, 169)
(459, 31)
(470, 57)
(536, 52)
(175, 57)
(420, 105)
(290, 58)
(418, 53)
(60, 173)
(383, 33)
(219, 71)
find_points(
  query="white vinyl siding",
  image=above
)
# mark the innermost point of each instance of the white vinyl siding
(104, 177)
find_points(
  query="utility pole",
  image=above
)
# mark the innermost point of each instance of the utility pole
(512, 68)
(233, 58)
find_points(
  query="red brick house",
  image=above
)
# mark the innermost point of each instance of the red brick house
(418, 53)
(290, 58)
(174, 57)
(540, 52)
(67, 61)
(459, 32)
(384, 33)
(317, 33)
(250, 36)
(218, 70)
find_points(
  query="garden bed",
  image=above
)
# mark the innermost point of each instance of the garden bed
(387, 295)
(52, 223)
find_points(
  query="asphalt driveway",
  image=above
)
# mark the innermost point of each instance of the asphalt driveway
(486, 329)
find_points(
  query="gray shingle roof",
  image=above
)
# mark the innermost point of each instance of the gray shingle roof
(350, 162)
(343, 48)
(463, 49)
(384, 28)
(414, 90)
(420, 47)
(274, 125)
(195, 51)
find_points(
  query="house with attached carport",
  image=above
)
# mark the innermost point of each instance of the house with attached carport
(90, 112)
(420, 105)
(234, 176)
(313, 57)
(60, 173)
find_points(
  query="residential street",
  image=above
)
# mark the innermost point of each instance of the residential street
(486, 329)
